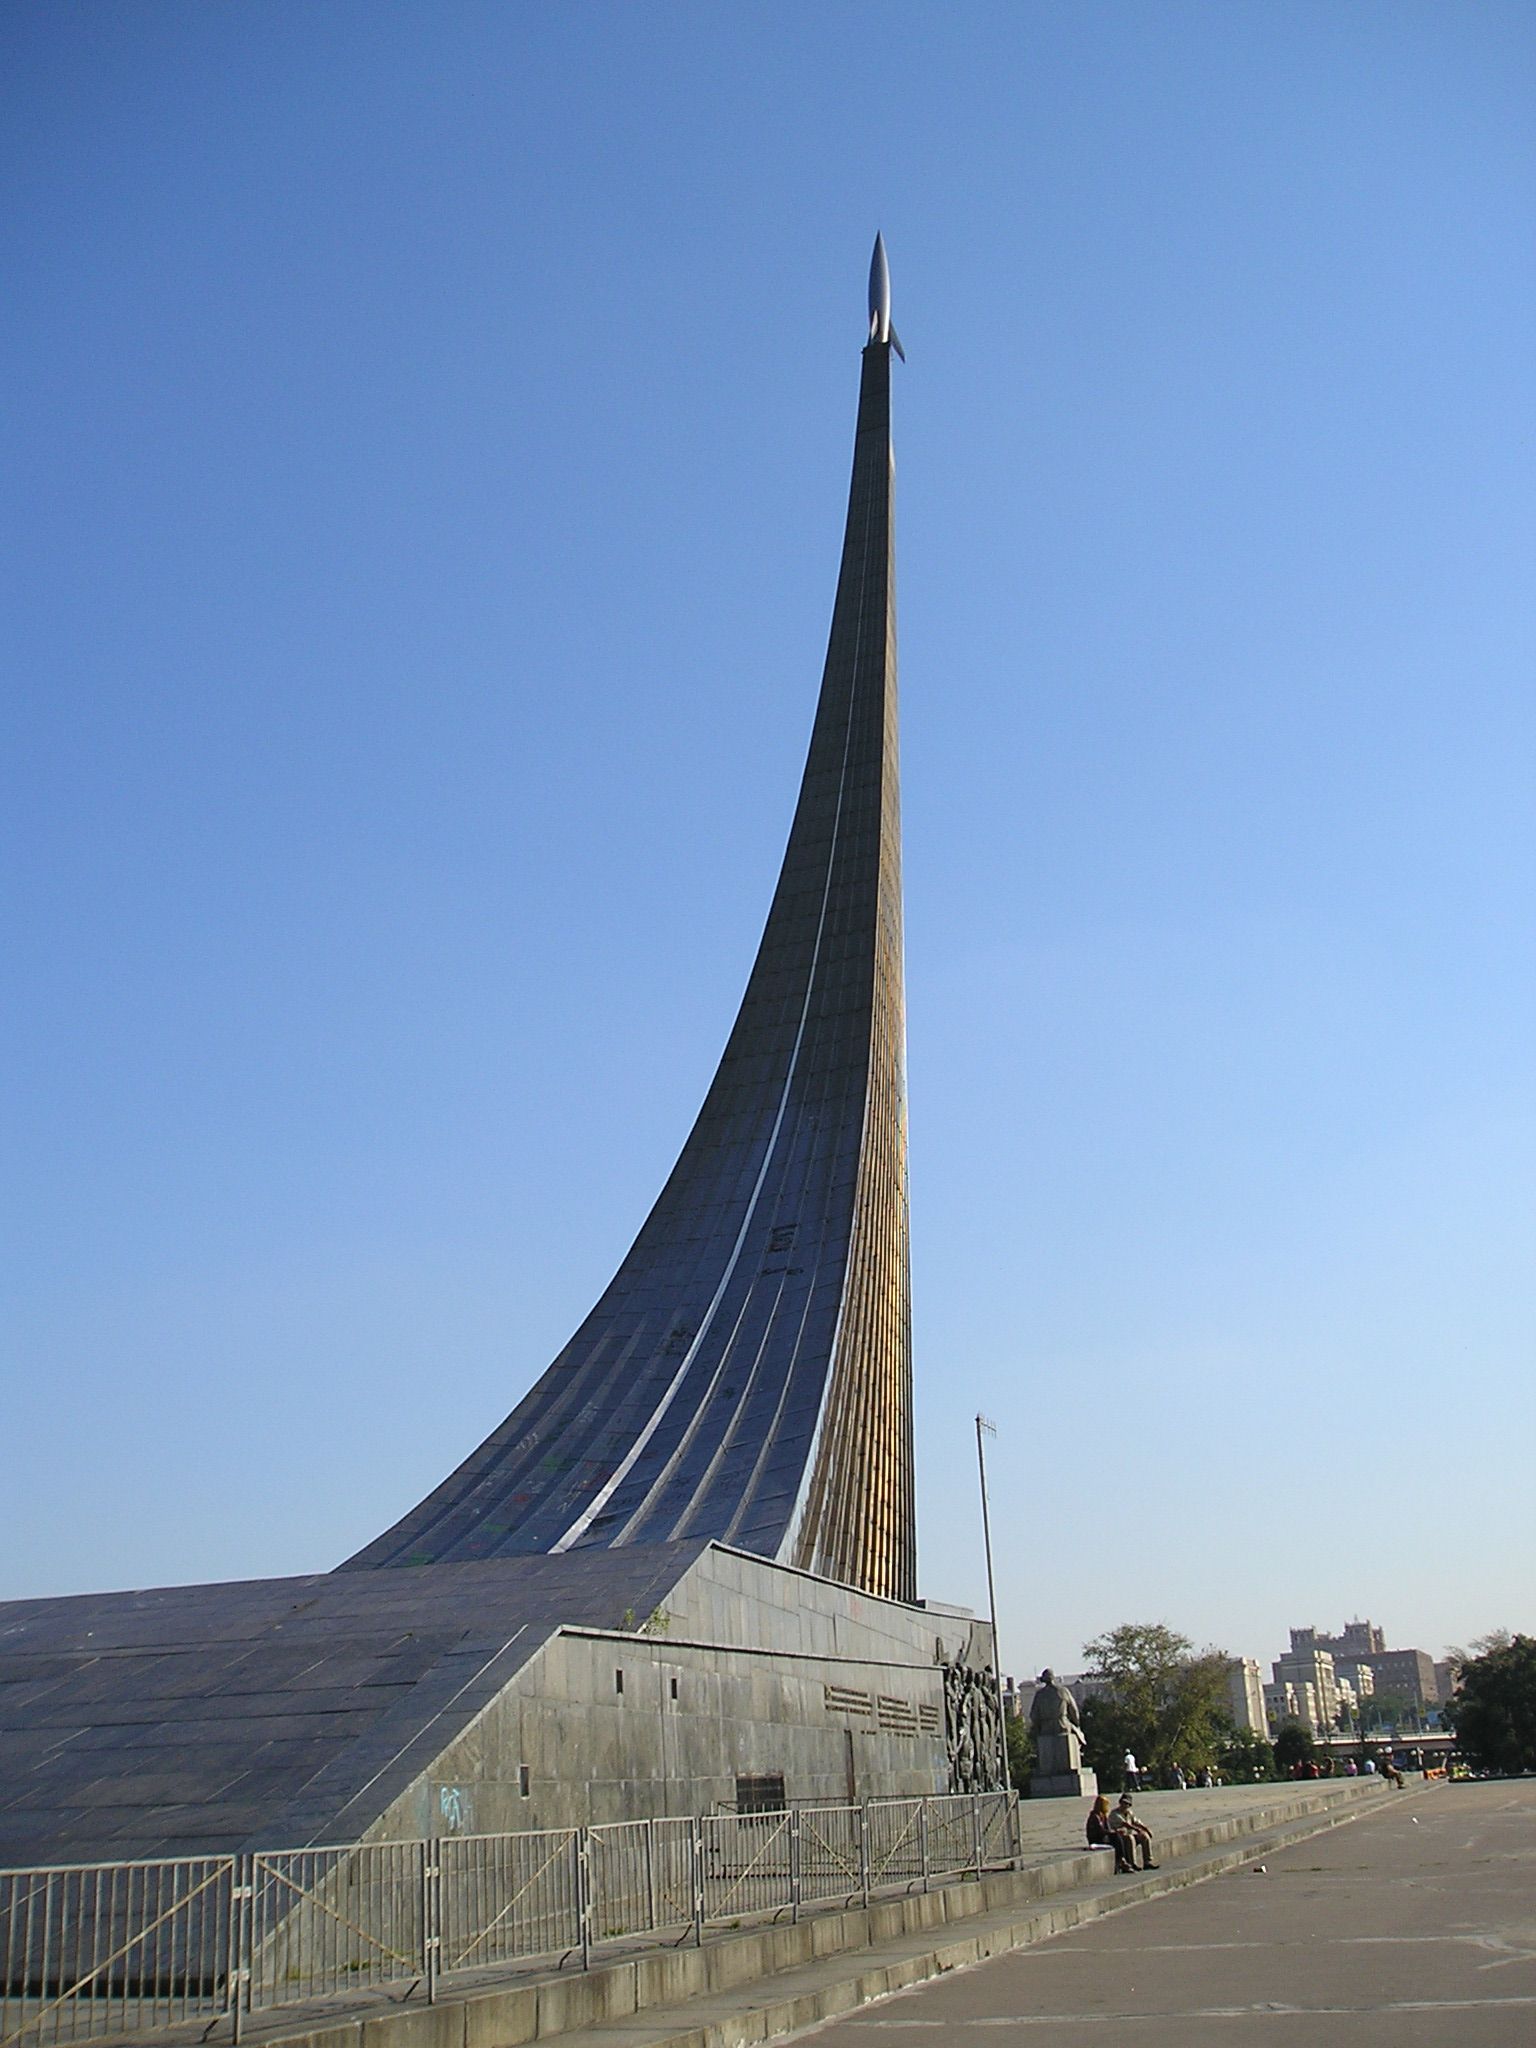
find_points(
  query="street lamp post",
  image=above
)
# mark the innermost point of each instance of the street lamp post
(984, 1429)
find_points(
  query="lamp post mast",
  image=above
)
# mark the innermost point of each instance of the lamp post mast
(984, 1429)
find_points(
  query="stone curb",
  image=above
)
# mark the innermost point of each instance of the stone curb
(826, 1963)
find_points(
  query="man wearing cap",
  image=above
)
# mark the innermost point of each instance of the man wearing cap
(1132, 1832)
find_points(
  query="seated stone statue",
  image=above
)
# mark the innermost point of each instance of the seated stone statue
(1053, 1710)
(1058, 1731)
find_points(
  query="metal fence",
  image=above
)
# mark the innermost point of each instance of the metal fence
(135, 1948)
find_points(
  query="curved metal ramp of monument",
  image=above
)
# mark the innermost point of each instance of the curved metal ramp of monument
(746, 1376)
(199, 1720)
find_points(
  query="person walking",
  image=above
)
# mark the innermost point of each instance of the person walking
(1132, 1773)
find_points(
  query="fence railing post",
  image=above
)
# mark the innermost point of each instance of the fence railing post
(599, 1879)
(242, 1891)
(431, 1915)
(584, 1896)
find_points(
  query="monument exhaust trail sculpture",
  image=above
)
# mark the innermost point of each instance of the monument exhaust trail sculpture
(734, 1414)
(747, 1374)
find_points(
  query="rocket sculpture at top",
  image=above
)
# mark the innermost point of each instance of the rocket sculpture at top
(880, 328)
(747, 1374)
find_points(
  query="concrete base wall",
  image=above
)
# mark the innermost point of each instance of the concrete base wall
(1063, 1785)
(750, 1669)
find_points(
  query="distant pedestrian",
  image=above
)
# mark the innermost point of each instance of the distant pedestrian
(1179, 1780)
(1132, 1772)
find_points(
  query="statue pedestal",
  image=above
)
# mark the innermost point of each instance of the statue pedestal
(1058, 1772)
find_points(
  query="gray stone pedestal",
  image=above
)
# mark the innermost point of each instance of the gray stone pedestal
(1058, 1772)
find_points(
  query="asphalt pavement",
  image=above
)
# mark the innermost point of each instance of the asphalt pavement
(1414, 1926)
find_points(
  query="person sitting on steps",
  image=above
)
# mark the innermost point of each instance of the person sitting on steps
(1102, 1836)
(1124, 1825)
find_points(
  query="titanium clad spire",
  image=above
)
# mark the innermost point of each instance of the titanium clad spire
(747, 1374)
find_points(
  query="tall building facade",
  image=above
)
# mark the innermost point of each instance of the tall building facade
(1358, 1639)
(1305, 1686)
(1360, 1653)
(1407, 1675)
(747, 1374)
(1245, 1695)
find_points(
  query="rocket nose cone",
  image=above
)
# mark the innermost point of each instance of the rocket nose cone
(879, 293)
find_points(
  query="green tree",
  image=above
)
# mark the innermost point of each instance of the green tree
(1493, 1709)
(1496, 1639)
(1162, 1702)
(1195, 1720)
(1021, 1751)
(1385, 1710)
(1108, 1732)
(1294, 1745)
(1245, 1758)
(1140, 1660)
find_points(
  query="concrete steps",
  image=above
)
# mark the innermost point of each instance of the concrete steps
(755, 1983)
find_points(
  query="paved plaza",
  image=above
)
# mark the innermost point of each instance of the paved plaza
(1412, 1927)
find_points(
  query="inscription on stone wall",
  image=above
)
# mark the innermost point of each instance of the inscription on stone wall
(888, 1711)
(845, 1699)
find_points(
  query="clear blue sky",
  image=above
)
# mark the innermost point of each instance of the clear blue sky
(427, 431)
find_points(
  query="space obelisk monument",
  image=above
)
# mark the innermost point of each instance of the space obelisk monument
(681, 1574)
(747, 1373)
